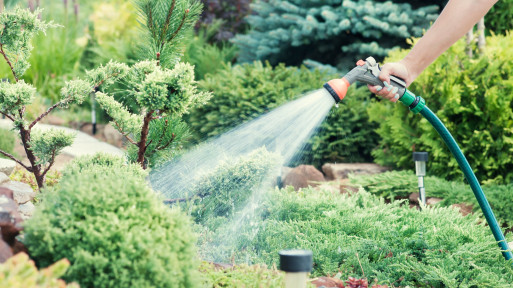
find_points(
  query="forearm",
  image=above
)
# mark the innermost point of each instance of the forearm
(455, 20)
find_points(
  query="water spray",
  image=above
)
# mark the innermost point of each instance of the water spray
(367, 72)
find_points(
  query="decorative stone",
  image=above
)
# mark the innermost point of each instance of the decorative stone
(302, 177)
(327, 282)
(23, 193)
(3, 178)
(464, 208)
(26, 210)
(433, 201)
(112, 136)
(7, 166)
(414, 198)
(342, 170)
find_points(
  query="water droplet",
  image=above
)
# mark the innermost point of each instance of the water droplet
(336, 105)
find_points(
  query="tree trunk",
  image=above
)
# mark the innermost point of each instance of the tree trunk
(470, 38)
(144, 137)
(36, 168)
(481, 41)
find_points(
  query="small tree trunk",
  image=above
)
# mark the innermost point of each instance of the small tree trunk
(144, 137)
(36, 168)
(481, 41)
(470, 38)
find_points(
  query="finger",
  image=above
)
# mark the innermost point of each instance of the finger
(385, 73)
(375, 89)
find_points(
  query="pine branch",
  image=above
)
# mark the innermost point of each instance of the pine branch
(125, 134)
(166, 25)
(150, 20)
(44, 114)
(7, 115)
(168, 143)
(16, 160)
(8, 62)
(52, 160)
(179, 27)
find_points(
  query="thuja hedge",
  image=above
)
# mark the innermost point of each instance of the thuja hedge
(244, 92)
(113, 229)
(359, 234)
(472, 97)
(402, 183)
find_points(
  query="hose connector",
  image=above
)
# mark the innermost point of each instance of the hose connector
(414, 103)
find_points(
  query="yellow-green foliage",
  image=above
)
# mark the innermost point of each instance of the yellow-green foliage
(241, 276)
(472, 97)
(20, 272)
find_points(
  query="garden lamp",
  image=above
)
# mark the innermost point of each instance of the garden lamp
(420, 159)
(296, 264)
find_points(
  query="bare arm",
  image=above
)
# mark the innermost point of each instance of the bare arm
(456, 19)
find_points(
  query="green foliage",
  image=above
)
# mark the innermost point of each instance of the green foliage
(7, 141)
(227, 189)
(292, 31)
(103, 161)
(47, 144)
(113, 229)
(205, 57)
(498, 18)
(472, 97)
(20, 272)
(360, 234)
(14, 96)
(241, 276)
(22, 175)
(403, 183)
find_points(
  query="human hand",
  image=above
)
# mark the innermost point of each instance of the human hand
(388, 91)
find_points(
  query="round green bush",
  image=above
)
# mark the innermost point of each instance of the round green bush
(114, 230)
(473, 97)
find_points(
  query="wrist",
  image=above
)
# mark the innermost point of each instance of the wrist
(413, 67)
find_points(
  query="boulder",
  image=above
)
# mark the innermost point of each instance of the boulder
(302, 176)
(7, 166)
(328, 282)
(414, 198)
(23, 193)
(9, 225)
(26, 210)
(3, 178)
(342, 170)
(112, 136)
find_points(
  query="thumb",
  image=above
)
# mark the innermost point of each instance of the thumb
(385, 73)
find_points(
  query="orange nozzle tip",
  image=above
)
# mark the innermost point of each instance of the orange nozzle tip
(338, 88)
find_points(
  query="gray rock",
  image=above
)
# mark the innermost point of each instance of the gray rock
(414, 198)
(7, 166)
(3, 178)
(302, 177)
(26, 210)
(433, 201)
(342, 170)
(112, 136)
(23, 193)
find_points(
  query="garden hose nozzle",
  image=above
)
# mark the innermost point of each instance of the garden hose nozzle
(367, 72)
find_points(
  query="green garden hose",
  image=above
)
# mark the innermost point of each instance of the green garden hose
(367, 72)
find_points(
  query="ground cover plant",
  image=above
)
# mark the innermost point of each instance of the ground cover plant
(400, 184)
(113, 228)
(359, 235)
(472, 97)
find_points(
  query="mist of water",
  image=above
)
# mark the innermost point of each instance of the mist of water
(284, 131)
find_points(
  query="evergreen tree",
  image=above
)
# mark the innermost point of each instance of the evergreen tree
(161, 88)
(330, 32)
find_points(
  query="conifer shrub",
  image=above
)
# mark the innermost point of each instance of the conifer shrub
(7, 140)
(113, 229)
(230, 12)
(244, 92)
(472, 97)
(332, 32)
(359, 234)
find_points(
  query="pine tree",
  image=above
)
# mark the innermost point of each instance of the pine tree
(17, 27)
(161, 87)
(330, 32)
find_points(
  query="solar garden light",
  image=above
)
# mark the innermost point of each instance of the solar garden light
(296, 264)
(420, 159)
